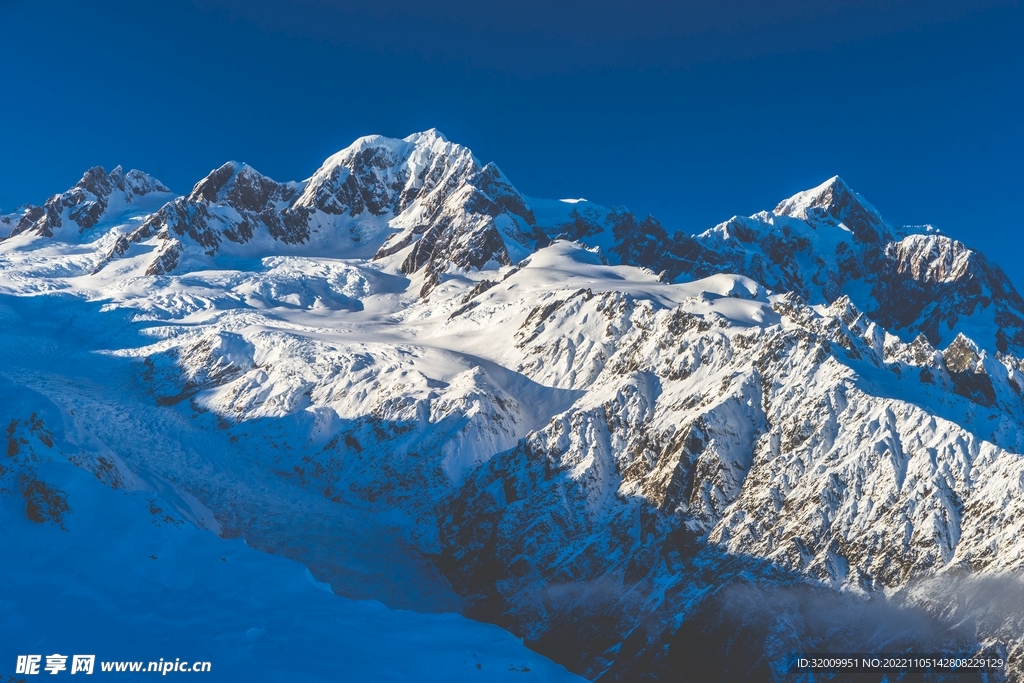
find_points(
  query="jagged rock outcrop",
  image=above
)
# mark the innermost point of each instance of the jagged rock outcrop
(935, 285)
(693, 442)
(822, 244)
(828, 241)
(780, 443)
(449, 211)
(97, 195)
(430, 206)
(630, 467)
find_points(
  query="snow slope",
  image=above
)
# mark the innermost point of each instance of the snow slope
(552, 415)
(97, 564)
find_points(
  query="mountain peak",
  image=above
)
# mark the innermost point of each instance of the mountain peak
(133, 183)
(832, 191)
(382, 155)
(353, 202)
(211, 187)
(140, 183)
(428, 136)
(88, 201)
(834, 203)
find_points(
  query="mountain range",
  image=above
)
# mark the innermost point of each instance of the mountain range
(649, 455)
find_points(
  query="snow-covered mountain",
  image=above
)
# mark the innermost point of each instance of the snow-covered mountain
(73, 584)
(829, 242)
(422, 196)
(649, 455)
(97, 196)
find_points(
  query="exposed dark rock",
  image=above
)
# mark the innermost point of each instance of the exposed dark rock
(87, 202)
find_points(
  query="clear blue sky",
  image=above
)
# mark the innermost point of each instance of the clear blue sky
(693, 112)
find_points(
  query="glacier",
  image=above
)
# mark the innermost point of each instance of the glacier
(648, 455)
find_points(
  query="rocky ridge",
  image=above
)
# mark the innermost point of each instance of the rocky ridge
(422, 196)
(97, 196)
(429, 205)
(611, 440)
(826, 243)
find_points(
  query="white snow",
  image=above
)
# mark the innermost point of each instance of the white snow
(309, 400)
(74, 586)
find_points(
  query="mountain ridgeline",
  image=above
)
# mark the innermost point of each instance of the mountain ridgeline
(652, 455)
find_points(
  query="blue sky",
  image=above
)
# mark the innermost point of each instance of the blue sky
(693, 112)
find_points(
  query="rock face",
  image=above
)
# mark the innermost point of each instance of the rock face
(430, 205)
(702, 451)
(94, 197)
(822, 244)
(651, 455)
(423, 197)
(829, 242)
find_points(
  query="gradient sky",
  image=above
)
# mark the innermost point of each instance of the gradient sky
(693, 111)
